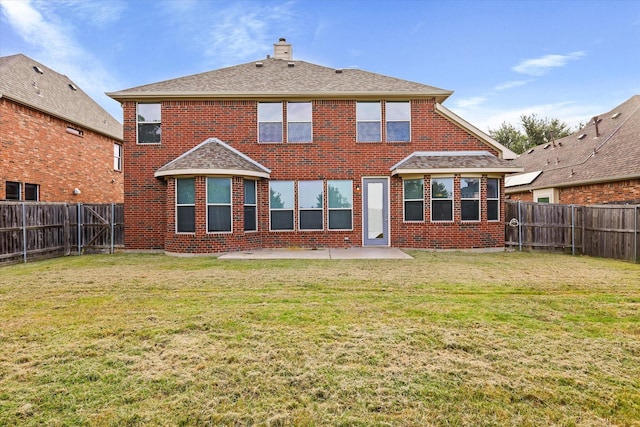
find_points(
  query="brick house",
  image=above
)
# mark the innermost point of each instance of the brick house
(56, 143)
(598, 164)
(283, 153)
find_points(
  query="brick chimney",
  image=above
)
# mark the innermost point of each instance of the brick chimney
(282, 50)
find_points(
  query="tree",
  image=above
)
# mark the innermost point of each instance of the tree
(536, 131)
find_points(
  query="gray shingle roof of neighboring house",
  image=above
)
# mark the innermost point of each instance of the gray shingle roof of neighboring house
(213, 157)
(30, 83)
(272, 77)
(606, 151)
(423, 162)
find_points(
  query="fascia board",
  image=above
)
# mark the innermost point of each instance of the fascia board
(217, 172)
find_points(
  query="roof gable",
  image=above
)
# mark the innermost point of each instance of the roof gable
(608, 151)
(30, 83)
(213, 157)
(430, 162)
(281, 78)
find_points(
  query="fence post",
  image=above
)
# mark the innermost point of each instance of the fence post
(519, 226)
(24, 232)
(635, 235)
(573, 232)
(112, 226)
(79, 229)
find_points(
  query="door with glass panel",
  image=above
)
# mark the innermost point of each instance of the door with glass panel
(375, 211)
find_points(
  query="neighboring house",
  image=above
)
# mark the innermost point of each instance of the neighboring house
(56, 143)
(283, 153)
(598, 164)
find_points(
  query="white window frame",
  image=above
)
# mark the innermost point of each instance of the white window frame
(451, 198)
(363, 115)
(283, 209)
(148, 122)
(494, 199)
(392, 118)
(295, 116)
(228, 204)
(475, 198)
(184, 205)
(117, 157)
(305, 206)
(19, 189)
(268, 117)
(254, 205)
(37, 190)
(335, 209)
(405, 200)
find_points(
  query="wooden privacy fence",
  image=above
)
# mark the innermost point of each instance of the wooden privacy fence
(610, 231)
(33, 230)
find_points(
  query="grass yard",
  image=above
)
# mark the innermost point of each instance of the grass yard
(497, 339)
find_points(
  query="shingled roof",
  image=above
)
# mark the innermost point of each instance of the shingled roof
(606, 149)
(427, 162)
(213, 157)
(277, 78)
(30, 83)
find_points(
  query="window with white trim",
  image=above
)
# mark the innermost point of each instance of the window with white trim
(149, 123)
(117, 157)
(441, 199)
(340, 204)
(299, 121)
(493, 199)
(281, 205)
(413, 199)
(13, 190)
(185, 205)
(32, 192)
(269, 122)
(310, 205)
(369, 122)
(219, 205)
(250, 206)
(470, 199)
(398, 121)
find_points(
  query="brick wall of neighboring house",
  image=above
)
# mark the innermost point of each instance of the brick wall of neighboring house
(334, 154)
(37, 149)
(627, 191)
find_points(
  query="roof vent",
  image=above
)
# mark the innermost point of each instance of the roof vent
(597, 120)
(291, 64)
(259, 64)
(338, 70)
(38, 69)
(616, 115)
(72, 87)
(582, 136)
(546, 146)
(530, 151)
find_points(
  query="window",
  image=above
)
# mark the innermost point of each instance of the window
(470, 199)
(186, 205)
(398, 118)
(493, 199)
(442, 199)
(269, 122)
(13, 190)
(281, 205)
(299, 122)
(250, 206)
(310, 205)
(31, 192)
(369, 122)
(149, 129)
(414, 199)
(117, 157)
(218, 204)
(340, 203)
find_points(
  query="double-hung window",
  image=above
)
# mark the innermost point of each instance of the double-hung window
(470, 199)
(13, 190)
(340, 204)
(270, 122)
(31, 192)
(493, 199)
(414, 199)
(185, 205)
(369, 122)
(310, 205)
(149, 124)
(442, 199)
(250, 206)
(117, 157)
(299, 122)
(218, 205)
(281, 205)
(398, 119)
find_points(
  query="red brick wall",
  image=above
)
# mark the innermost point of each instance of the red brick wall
(334, 154)
(627, 191)
(37, 149)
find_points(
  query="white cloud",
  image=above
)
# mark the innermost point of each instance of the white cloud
(513, 83)
(472, 102)
(542, 65)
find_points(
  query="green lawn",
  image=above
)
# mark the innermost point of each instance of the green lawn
(443, 339)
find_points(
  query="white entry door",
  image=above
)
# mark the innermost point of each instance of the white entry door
(375, 211)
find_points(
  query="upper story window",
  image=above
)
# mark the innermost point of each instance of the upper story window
(117, 157)
(470, 199)
(299, 121)
(369, 122)
(32, 192)
(493, 199)
(270, 122)
(149, 123)
(414, 199)
(398, 118)
(442, 199)
(13, 190)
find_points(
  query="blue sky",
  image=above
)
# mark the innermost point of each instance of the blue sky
(560, 59)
